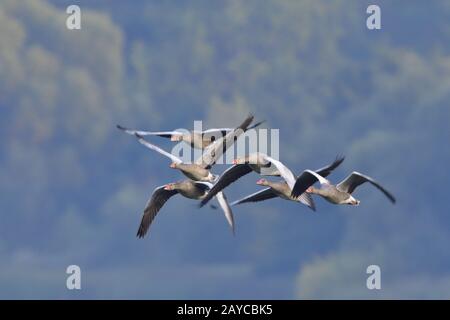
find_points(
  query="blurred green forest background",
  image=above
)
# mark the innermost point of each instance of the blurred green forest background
(72, 187)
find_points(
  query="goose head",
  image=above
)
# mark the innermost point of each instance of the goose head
(242, 160)
(176, 137)
(262, 182)
(352, 201)
(170, 186)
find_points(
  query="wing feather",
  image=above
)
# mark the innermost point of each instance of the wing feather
(228, 177)
(355, 179)
(156, 202)
(157, 149)
(264, 194)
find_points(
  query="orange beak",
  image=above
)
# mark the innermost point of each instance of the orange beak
(173, 165)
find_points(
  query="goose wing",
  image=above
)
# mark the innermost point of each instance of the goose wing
(305, 180)
(164, 134)
(325, 171)
(218, 147)
(223, 202)
(228, 177)
(157, 149)
(355, 179)
(289, 177)
(256, 124)
(286, 174)
(261, 195)
(220, 132)
(156, 202)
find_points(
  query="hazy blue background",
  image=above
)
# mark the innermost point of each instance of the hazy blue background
(72, 187)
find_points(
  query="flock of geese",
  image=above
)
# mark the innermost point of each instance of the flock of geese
(203, 185)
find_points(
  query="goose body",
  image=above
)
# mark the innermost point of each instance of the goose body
(280, 189)
(333, 195)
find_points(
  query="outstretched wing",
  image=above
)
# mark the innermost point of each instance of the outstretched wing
(157, 149)
(264, 194)
(355, 179)
(307, 200)
(325, 171)
(256, 124)
(156, 202)
(222, 199)
(216, 133)
(228, 177)
(218, 147)
(307, 179)
(164, 134)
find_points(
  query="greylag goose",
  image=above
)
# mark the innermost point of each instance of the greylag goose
(337, 194)
(281, 188)
(255, 162)
(187, 188)
(196, 139)
(199, 170)
(191, 170)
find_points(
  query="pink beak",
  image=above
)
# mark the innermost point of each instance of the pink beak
(234, 161)
(173, 165)
(167, 187)
(260, 181)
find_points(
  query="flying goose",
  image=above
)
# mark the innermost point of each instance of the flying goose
(281, 188)
(187, 188)
(196, 139)
(199, 170)
(337, 194)
(255, 162)
(191, 170)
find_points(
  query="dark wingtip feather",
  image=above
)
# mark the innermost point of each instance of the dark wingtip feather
(141, 233)
(392, 198)
(246, 122)
(340, 158)
(256, 124)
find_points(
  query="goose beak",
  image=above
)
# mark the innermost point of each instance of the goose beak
(173, 165)
(174, 138)
(168, 187)
(234, 161)
(259, 182)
